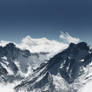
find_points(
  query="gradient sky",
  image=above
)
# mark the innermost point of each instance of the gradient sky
(45, 18)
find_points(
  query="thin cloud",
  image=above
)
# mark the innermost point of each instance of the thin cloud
(42, 45)
(68, 38)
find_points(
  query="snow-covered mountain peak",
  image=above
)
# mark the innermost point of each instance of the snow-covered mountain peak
(67, 67)
(16, 64)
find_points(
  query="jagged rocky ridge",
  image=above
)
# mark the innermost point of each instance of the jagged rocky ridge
(16, 64)
(65, 72)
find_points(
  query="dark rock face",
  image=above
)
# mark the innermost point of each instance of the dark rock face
(70, 59)
(3, 71)
(11, 52)
(67, 63)
(15, 63)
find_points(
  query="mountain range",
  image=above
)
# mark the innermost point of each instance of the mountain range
(66, 71)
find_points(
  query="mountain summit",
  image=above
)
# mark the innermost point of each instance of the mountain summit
(16, 64)
(65, 72)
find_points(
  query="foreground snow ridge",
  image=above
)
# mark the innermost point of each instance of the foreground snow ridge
(87, 87)
(7, 88)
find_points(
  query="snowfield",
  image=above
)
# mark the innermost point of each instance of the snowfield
(87, 87)
(7, 88)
